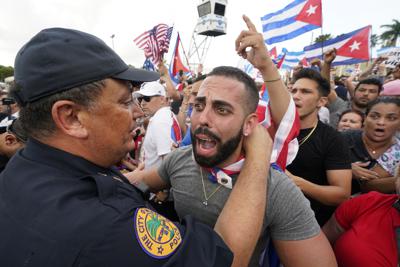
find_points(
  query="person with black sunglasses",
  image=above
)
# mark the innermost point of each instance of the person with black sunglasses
(12, 138)
(162, 133)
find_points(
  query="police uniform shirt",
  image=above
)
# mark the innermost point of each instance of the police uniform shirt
(57, 209)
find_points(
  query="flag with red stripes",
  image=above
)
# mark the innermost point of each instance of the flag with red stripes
(155, 42)
(176, 132)
(285, 145)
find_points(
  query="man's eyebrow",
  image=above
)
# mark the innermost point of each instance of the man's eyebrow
(200, 99)
(222, 103)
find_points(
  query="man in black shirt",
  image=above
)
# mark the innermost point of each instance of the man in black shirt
(322, 168)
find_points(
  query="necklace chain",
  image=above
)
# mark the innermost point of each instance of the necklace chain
(374, 151)
(304, 139)
(205, 202)
(369, 148)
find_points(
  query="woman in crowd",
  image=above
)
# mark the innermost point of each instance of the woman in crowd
(350, 119)
(362, 230)
(375, 150)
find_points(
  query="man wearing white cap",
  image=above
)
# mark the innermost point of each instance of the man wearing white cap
(159, 136)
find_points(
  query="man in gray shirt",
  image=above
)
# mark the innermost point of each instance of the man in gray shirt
(202, 176)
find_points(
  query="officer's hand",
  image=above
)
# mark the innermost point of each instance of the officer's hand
(136, 176)
(258, 144)
(250, 45)
(161, 196)
(129, 164)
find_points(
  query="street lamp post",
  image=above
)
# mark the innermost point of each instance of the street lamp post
(112, 40)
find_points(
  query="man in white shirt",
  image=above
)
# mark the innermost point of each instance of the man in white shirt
(159, 134)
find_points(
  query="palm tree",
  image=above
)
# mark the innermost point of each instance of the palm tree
(392, 34)
(323, 38)
(374, 39)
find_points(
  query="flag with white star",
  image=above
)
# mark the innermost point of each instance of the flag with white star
(297, 18)
(351, 48)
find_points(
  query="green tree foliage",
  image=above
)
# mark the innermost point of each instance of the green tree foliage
(374, 39)
(6, 72)
(391, 34)
(323, 38)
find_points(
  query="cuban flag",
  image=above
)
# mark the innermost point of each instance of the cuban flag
(273, 53)
(298, 17)
(177, 64)
(292, 59)
(351, 48)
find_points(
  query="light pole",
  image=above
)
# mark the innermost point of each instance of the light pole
(112, 40)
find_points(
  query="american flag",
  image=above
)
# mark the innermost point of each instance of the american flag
(155, 42)
(147, 65)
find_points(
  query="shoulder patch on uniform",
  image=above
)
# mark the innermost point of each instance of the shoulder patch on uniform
(158, 236)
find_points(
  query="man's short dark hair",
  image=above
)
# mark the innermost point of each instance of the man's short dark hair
(251, 101)
(311, 74)
(370, 80)
(36, 117)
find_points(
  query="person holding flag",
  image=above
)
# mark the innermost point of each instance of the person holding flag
(155, 42)
(203, 176)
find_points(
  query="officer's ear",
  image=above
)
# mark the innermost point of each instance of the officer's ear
(66, 116)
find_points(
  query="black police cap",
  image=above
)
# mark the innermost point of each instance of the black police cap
(58, 59)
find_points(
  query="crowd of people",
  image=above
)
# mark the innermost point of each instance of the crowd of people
(103, 164)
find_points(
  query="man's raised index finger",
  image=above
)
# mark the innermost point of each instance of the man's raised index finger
(249, 24)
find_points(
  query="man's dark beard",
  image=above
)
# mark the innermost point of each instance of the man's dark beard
(360, 104)
(224, 150)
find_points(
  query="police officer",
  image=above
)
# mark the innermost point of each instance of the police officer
(61, 201)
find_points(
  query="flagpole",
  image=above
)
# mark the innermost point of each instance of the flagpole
(184, 53)
(370, 46)
(322, 32)
(312, 37)
(322, 43)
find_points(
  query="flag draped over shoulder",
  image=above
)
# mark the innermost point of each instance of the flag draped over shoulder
(177, 64)
(285, 144)
(155, 42)
(351, 48)
(298, 17)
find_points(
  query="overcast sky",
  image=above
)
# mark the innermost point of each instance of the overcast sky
(21, 19)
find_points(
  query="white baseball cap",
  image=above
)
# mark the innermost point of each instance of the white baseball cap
(150, 89)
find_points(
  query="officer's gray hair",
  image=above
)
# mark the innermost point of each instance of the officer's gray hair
(36, 117)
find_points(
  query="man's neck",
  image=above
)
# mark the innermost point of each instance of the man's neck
(231, 159)
(309, 121)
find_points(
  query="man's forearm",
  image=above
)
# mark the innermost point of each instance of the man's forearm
(326, 194)
(278, 94)
(246, 204)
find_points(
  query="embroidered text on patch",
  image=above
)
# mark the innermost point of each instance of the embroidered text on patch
(158, 236)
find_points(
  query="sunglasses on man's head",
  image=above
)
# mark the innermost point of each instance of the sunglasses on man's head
(145, 98)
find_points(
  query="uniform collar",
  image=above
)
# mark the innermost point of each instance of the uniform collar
(62, 160)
